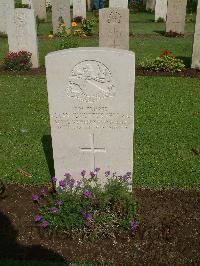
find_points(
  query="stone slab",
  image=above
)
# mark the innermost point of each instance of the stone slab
(79, 8)
(196, 44)
(91, 105)
(60, 8)
(114, 28)
(161, 10)
(40, 8)
(118, 3)
(22, 33)
(6, 11)
(176, 13)
(150, 5)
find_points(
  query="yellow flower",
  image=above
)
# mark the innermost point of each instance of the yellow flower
(77, 30)
(74, 24)
(50, 36)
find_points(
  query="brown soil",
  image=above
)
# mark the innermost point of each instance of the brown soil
(168, 235)
(193, 73)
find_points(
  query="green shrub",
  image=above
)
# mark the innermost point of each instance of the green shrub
(87, 26)
(85, 209)
(17, 61)
(20, 5)
(68, 42)
(164, 62)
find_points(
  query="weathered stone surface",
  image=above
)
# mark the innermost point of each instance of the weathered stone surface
(39, 7)
(118, 3)
(176, 13)
(114, 28)
(22, 33)
(150, 5)
(161, 9)
(6, 11)
(79, 8)
(196, 45)
(60, 8)
(91, 103)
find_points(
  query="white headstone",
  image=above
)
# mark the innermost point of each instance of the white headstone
(196, 45)
(161, 10)
(60, 8)
(91, 103)
(114, 28)
(150, 5)
(40, 8)
(48, 3)
(22, 33)
(79, 8)
(6, 11)
(118, 3)
(176, 13)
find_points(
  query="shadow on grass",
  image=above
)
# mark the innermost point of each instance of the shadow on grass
(48, 150)
(11, 250)
(186, 60)
(160, 32)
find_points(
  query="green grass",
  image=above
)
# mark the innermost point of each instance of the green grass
(167, 124)
(147, 40)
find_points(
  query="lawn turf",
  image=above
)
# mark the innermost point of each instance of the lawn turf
(167, 126)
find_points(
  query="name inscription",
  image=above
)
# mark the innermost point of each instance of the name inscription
(92, 118)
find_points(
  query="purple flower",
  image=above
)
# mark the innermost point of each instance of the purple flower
(42, 190)
(62, 183)
(35, 197)
(125, 177)
(71, 183)
(83, 173)
(88, 223)
(82, 211)
(87, 194)
(37, 218)
(67, 175)
(97, 169)
(54, 210)
(107, 173)
(45, 224)
(129, 174)
(54, 179)
(78, 184)
(133, 224)
(59, 203)
(88, 217)
(92, 174)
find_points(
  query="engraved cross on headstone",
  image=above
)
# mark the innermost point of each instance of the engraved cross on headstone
(93, 150)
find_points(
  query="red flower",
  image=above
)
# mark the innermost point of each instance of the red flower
(174, 56)
(165, 52)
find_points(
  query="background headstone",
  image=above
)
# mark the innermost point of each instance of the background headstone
(196, 45)
(91, 103)
(48, 3)
(22, 33)
(150, 5)
(89, 5)
(176, 13)
(6, 11)
(79, 8)
(114, 28)
(161, 9)
(118, 3)
(39, 7)
(60, 8)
